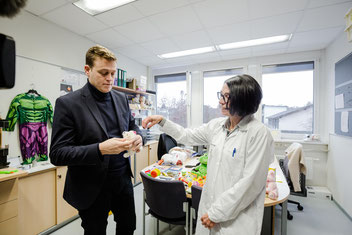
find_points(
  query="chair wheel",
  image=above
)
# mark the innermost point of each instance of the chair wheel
(289, 216)
(300, 208)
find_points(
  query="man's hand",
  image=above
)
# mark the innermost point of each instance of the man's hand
(137, 143)
(206, 222)
(150, 121)
(115, 146)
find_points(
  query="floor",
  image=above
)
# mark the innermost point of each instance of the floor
(319, 217)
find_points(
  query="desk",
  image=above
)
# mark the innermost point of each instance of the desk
(282, 186)
(284, 192)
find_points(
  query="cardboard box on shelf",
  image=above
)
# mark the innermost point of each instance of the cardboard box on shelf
(131, 84)
(319, 192)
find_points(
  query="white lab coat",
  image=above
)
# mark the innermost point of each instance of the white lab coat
(233, 195)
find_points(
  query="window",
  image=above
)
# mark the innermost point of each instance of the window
(171, 93)
(287, 103)
(213, 82)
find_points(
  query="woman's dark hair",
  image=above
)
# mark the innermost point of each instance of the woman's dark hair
(245, 95)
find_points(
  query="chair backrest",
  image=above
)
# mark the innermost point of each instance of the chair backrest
(302, 179)
(196, 193)
(164, 198)
(166, 143)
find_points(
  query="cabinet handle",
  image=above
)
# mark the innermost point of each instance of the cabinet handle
(59, 176)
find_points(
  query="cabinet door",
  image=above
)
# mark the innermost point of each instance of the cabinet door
(153, 153)
(9, 226)
(36, 203)
(64, 210)
(141, 162)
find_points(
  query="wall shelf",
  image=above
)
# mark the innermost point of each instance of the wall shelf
(128, 90)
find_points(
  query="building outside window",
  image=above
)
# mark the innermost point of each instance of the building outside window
(171, 94)
(213, 82)
(287, 103)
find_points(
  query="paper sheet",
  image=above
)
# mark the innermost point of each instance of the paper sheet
(339, 101)
(344, 121)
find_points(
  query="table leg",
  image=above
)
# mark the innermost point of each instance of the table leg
(284, 218)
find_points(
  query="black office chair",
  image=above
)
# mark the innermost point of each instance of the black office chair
(166, 143)
(196, 193)
(302, 193)
(167, 201)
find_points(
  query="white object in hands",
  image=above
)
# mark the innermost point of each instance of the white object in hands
(129, 135)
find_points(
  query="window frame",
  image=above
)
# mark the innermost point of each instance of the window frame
(169, 78)
(316, 127)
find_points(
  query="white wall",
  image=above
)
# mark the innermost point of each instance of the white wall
(42, 49)
(340, 148)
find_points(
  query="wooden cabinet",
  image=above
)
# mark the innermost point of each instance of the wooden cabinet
(9, 207)
(64, 210)
(141, 162)
(153, 153)
(36, 202)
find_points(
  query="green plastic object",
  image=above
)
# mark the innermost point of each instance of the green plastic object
(201, 170)
(8, 172)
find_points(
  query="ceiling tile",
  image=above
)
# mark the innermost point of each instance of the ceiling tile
(235, 51)
(271, 47)
(221, 12)
(140, 31)
(177, 21)
(192, 40)
(314, 40)
(150, 60)
(260, 8)
(324, 17)
(236, 56)
(152, 7)
(276, 25)
(267, 53)
(160, 46)
(74, 19)
(204, 58)
(110, 38)
(38, 7)
(134, 51)
(319, 3)
(120, 15)
(231, 33)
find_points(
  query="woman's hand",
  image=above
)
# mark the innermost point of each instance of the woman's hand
(150, 121)
(206, 222)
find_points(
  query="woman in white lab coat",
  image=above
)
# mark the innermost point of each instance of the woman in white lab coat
(240, 151)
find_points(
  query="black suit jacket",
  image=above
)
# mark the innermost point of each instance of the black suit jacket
(78, 128)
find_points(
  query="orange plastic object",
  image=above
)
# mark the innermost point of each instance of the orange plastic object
(154, 173)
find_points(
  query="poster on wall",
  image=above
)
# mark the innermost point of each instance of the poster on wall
(71, 81)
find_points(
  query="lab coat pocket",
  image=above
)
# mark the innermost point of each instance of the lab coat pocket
(234, 164)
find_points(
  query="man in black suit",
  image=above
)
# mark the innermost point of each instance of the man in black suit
(87, 137)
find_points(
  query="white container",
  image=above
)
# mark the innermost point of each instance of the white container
(319, 192)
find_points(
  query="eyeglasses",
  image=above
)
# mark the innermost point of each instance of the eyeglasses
(225, 97)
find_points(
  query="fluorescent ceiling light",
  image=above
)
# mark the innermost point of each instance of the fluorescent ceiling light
(95, 7)
(187, 52)
(255, 42)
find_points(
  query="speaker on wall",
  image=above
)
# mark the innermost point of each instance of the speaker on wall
(7, 61)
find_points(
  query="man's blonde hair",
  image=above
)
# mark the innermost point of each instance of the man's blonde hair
(98, 51)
